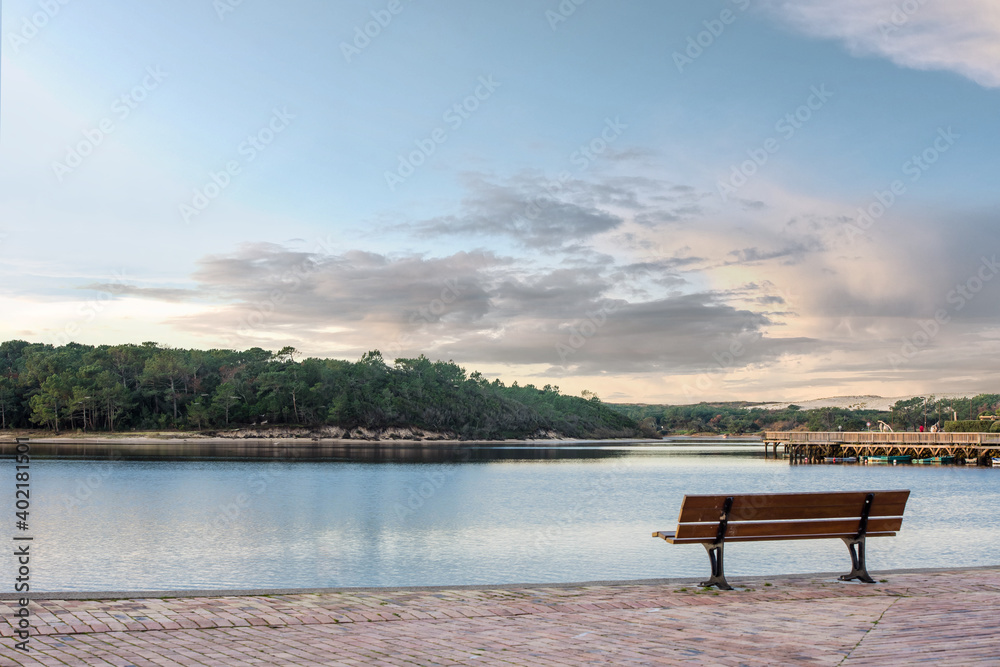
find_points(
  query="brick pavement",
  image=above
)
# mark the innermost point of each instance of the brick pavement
(939, 617)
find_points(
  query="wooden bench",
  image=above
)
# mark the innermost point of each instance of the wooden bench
(852, 516)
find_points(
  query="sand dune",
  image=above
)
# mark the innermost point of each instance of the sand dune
(869, 401)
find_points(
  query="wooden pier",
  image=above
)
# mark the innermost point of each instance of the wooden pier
(815, 445)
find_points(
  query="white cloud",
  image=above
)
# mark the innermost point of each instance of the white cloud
(962, 36)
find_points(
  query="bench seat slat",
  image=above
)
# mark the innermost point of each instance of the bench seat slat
(817, 498)
(804, 527)
(697, 540)
(750, 513)
(782, 506)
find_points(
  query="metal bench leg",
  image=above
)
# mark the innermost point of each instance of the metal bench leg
(858, 569)
(715, 560)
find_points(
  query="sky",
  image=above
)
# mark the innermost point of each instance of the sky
(659, 202)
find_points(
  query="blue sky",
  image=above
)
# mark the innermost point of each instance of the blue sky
(257, 174)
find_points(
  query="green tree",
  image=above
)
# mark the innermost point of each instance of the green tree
(147, 386)
(111, 396)
(8, 398)
(169, 369)
(198, 412)
(908, 413)
(225, 397)
(49, 404)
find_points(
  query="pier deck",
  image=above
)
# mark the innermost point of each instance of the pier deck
(798, 445)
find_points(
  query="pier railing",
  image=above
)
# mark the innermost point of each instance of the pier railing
(879, 438)
(799, 446)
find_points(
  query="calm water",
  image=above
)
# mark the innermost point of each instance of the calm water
(491, 516)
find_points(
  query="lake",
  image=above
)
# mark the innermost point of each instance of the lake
(483, 515)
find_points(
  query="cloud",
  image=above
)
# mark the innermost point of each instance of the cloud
(961, 36)
(315, 289)
(753, 254)
(674, 335)
(535, 215)
(559, 214)
(476, 307)
(172, 295)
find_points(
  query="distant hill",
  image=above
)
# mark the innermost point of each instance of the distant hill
(864, 402)
(849, 413)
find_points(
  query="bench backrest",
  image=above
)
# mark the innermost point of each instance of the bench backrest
(791, 515)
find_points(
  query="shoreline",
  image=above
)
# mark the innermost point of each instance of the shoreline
(316, 449)
(738, 582)
(197, 438)
(325, 433)
(289, 449)
(306, 442)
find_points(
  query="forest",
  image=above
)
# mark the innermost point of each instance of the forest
(119, 388)
(152, 387)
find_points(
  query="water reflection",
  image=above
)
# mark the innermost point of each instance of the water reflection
(403, 451)
(462, 515)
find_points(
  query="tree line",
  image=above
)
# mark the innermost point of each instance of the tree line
(743, 417)
(149, 386)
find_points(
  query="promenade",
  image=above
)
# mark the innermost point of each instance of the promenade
(929, 617)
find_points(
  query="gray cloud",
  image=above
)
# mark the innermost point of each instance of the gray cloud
(627, 304)
(529, 214)
(473, 307)
(311, 288)
(552, 214)
(794, 252)
(674, 335)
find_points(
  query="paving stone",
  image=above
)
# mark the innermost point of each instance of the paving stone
(944, 618)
